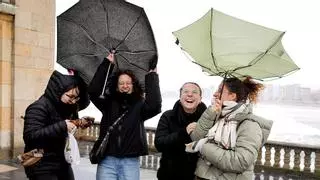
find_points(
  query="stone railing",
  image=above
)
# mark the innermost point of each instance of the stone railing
(8, 1)
(274, 156)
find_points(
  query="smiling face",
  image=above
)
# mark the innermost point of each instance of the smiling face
(125, 84)
(190, 97)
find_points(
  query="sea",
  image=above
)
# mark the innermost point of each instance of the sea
(292, 123)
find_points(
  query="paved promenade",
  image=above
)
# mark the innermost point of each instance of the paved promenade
(83, 171)
(86, 171)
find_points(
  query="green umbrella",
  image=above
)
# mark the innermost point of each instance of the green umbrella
(226, 46)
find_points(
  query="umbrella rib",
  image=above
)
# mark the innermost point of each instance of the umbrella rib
(260, 56)
(132, 63)
(107, 20)
(81, 54)
(86, 33)
(213, 58)
(122, 41)
(272, 74)
(136, 52)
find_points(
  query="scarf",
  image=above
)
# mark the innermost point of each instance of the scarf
(224, 131)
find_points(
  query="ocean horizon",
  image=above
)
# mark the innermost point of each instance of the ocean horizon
(292, 123)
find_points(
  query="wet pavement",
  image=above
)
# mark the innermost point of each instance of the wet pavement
(10, 169)
(84, 171)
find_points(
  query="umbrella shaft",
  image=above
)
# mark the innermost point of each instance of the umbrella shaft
(105, 81)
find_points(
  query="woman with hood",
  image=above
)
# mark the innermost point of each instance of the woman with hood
(125, 101)
(47, 122)
(228, 136)
(173, 132)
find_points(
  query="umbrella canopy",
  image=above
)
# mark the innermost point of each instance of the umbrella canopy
(92, 29)
(226, 46)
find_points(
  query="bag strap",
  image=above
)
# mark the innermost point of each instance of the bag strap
(110, 129)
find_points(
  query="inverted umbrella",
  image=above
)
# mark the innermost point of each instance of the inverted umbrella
(92, 29)
(226, 46)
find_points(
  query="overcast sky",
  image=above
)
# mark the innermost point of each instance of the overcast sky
(298, 18)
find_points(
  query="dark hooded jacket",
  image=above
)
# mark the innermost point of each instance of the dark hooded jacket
(45, 126)
(128, 139)
(170, 139)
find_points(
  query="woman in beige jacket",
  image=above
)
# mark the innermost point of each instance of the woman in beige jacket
(228, 136)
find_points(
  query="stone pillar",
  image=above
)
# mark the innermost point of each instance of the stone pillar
(34, 35)
(6, 41)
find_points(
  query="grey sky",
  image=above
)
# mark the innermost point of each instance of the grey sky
(298, 18)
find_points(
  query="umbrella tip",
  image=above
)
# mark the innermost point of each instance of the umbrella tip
(102, 97)
(177, 41)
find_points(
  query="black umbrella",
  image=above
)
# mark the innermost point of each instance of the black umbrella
(92, 29)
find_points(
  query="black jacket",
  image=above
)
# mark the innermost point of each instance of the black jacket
(128, 139)
(170, 139)
(44, 125)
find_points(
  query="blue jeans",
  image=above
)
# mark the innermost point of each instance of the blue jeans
(113, 168)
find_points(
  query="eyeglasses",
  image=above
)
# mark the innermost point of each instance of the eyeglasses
(124, 83)
(73, 98)
(187, 91)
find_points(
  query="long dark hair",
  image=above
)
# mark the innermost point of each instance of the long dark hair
(246, 89)
(137, 88)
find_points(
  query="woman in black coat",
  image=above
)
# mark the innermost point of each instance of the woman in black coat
(173, 132)
(128, 140)
(47, 124)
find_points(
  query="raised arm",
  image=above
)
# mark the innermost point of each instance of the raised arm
(204, 124)
(152, 103)
(97, 82)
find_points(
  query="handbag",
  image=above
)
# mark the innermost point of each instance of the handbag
(30, 158)
(97, 152)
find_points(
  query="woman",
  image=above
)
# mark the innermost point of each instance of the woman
(173, 132)
(125, 98)
(229, 144)
(47, 122)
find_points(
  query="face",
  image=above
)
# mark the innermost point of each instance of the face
(71, 96)
(190, 97)
(226, 94)
(125, 84)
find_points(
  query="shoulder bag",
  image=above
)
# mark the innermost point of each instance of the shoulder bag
(98, 151)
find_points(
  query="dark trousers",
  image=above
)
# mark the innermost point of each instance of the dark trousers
(66, 174)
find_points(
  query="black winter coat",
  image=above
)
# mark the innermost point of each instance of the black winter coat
(45, 126)
(128, 139)
(170, 139)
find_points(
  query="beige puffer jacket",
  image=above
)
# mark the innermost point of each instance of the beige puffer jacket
(237, 164)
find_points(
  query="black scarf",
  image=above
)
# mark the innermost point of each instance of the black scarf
(186, 118)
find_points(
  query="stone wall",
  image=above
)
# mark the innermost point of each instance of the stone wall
(27, 60)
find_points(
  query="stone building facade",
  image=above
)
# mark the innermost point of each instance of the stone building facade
(27, 36)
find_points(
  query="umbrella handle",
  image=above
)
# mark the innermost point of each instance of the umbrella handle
(105, 83)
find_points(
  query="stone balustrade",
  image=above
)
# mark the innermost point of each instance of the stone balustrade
(8, 1)
(275, 156)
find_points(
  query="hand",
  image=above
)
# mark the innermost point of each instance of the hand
(153, 70)
(216, 104)
(87, 121)
(84, 122)
(196, 146)
(71, 127)
(110, 57)
(191, 127)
